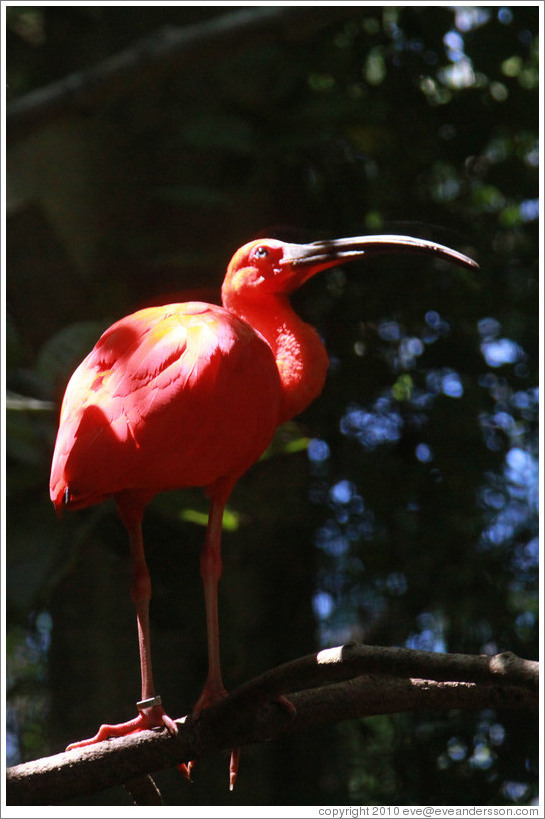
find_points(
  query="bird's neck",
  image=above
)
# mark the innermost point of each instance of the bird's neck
(299, 353)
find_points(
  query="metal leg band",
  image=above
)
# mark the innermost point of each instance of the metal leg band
(149, 703)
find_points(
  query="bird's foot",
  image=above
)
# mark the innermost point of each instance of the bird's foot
(233, 768)
(151, 714)
(212, 693)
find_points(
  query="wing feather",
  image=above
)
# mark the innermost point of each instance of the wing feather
(172, 396)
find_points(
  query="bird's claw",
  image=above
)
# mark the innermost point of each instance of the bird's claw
(233, 767)
(169, 724)
(206, 699)
(212, 693)
(149, 717)
(185, 769)
(287, 704)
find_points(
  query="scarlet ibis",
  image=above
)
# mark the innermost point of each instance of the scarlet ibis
(188, 395)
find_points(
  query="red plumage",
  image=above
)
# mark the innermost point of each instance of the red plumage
(190, 395)
(170, 397)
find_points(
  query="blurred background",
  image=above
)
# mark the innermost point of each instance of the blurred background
(401, 508)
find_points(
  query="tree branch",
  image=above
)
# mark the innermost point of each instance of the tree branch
(395, 680)
(169, 48)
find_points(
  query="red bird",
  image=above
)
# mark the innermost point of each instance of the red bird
(190, 395)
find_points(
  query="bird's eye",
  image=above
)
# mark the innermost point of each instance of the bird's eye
(261, 252)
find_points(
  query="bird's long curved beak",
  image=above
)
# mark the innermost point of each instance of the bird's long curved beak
(311, 258)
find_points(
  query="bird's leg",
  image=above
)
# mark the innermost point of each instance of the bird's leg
(151, 713)
(211, 567)
(149, 706)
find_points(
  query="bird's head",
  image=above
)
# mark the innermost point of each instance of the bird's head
(268, 266)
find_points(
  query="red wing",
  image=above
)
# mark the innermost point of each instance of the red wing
(168, 397)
